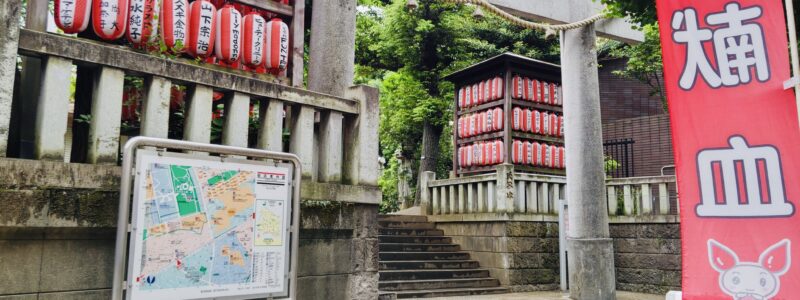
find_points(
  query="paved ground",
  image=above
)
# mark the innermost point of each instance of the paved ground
(548, 296)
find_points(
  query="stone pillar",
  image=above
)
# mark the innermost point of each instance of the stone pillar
(332, 46)
(270, 136)
(425, 194)
(36, 19)
(155, 107)
(330, 146)
(197, 125)
(302, 139)
(53, 109)
(237, 115)
(106, 115)
(361, 136)
(9, 34)
(505, 188)
(591, 260)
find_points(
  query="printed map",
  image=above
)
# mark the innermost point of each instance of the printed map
(200, 225)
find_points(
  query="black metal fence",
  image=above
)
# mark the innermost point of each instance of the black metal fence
(621, 152)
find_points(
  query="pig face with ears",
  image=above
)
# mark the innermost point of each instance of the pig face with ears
(750, 280)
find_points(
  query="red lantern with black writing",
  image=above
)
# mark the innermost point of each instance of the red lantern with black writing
(516, 122)
(461, 97)
(497, 152)
(143, 22)
(72, 16)
(109, 18)
(174, 24)
(497, 88)
(277, 45)
(228, 39)
(498, 119)
(517, 87)
(202, 19)
(554, 125)
(254, 39)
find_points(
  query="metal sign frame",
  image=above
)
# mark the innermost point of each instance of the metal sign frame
(124, 226)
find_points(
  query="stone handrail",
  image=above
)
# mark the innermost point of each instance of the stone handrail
(639, 195)
(319, 124)
(506, 191)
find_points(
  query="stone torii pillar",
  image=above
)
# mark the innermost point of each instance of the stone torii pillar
(591, 252)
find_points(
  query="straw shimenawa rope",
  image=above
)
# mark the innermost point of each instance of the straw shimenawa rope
(528, 24)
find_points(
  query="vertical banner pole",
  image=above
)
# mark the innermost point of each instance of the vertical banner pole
(790, 24)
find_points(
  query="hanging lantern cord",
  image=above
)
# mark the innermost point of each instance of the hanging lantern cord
(549, 28)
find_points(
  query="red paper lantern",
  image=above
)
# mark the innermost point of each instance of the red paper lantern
(559, 101)
(554, 129)
(462, 97)
(481, 89)
(498, 152)
(536, 148)
(530, 91)
(202, 19)
(109, 18)
(545, 123)
(174, 24)
(561, 126)
(475, 92)
(143, 22)
(516, 122)
(497, 88)
(528, 153)
(72, 16)
(518, 152)
(526, 119)
(537, 91)
(487, 90)
(254, 39)
(277, 45)
(461, 157)
(537, 122)
(556, 157)
(228, 44)
(517, 87)
(498, 119)
(563, 157)
(481, 122)
(468, 156)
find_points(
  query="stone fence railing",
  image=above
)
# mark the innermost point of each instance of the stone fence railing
(506, 191)
(318, 125)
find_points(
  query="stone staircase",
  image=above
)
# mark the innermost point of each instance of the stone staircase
(418, 261)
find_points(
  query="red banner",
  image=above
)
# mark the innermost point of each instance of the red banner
(736, 140)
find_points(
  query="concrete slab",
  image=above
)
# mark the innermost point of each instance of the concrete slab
(548, 295)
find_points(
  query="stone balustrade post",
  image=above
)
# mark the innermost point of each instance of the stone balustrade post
(270, 135)
(53, 109)
(425, 193)
(302, 139)
(155, 107)
(505, 189)
(361, 138)
(9, 33)
(106, 114)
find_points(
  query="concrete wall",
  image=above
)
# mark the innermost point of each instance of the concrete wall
(524, 255)
(57, 231)
(647, 256)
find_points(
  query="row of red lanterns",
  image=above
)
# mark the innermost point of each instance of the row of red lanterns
(482, 92)
(198, 29)
(539, 155)
(479, 123)
(536, 91)
(534, 121)
(481, 154)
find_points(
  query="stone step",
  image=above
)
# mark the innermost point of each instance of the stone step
(392, 256)
(427, 264)
(433, 284)
(415, 239)
(409, 225)
(448, 292)
(432, 274)
(402, 218)
(410, 232)
(408, 247)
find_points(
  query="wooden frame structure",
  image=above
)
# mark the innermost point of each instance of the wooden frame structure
(505, 65)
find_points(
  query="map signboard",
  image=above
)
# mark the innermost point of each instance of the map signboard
(205, 229)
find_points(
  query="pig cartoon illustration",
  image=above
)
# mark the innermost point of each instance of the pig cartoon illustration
(750, 280)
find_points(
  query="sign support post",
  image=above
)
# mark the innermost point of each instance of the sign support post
(125, 226)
